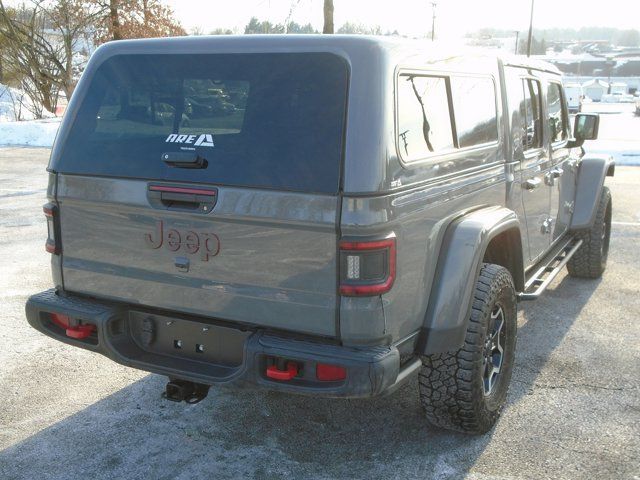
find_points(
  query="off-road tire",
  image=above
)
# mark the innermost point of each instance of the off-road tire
(590, 260)
(452, 389)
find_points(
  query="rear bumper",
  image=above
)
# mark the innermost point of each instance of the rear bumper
(140, 340)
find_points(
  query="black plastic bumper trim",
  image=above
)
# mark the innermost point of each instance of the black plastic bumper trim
(370, 370)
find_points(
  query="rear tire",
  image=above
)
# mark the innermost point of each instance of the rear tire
(461, 390)
(590, 260)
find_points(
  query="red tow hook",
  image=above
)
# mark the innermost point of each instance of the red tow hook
(288, 374)
(80, 331)
(74, 331)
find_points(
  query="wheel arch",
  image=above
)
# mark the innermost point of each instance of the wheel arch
(590, 180)
(505, 249)
(469, 241)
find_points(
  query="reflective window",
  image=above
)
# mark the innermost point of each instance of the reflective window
(424, 120)
(533, 114)
(523, 96)
(265, 120)
(514, 100)
(557, 113)
(474, 104)
(214, 106)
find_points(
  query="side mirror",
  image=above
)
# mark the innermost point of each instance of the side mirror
(586, 126)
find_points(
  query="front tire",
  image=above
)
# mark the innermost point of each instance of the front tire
(466, 390)
(590, 260)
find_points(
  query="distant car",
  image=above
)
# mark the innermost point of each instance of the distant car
(575, 96)
(617, 98)
(626, 98)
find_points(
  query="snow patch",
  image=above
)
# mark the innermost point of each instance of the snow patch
(16, 105)
(33, 133)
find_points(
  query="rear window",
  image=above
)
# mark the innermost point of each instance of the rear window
(260, 120)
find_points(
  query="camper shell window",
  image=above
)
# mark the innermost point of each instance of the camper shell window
(271, 120)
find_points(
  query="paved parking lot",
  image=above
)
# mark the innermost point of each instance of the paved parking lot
(573, 408)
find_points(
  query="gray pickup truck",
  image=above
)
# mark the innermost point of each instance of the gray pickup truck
(325, 215)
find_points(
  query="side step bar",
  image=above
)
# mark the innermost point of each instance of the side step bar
(540, 280)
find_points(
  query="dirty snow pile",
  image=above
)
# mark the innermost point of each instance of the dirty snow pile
(14, 106)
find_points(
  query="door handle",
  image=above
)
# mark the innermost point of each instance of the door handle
(551, 175)
(532, 183)
(556, 172)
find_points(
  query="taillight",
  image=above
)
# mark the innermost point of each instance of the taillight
(330, 373)
(60, 320)
(53, 232)
(367, 267)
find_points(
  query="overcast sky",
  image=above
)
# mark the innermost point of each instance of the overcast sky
(412, 17)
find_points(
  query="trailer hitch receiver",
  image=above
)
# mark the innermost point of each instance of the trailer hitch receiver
(185, 391)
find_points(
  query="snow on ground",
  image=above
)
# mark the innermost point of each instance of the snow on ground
(618, 133)
(17, 120)
(33, 133)
(16, 105)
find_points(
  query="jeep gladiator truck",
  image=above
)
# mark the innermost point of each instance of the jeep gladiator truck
(362, 210)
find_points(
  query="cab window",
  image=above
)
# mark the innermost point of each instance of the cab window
(533, 112)
(557, 118)
(526, 113)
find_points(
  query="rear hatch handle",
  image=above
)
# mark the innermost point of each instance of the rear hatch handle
(184, 160)
(169, 197)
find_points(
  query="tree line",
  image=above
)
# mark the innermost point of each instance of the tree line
(255, 26)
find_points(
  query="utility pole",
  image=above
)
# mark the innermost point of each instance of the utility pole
(530, 31)
(433, 20)
(517, 36)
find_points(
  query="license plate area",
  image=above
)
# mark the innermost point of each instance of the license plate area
(187, 339)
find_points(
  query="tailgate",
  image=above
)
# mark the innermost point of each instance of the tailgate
(260, 257)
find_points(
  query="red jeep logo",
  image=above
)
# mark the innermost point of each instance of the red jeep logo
(208, 244)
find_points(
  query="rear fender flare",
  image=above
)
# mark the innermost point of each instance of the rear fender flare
(460, 259)
(591, 175)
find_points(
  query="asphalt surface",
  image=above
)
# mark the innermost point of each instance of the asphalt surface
(573, 407)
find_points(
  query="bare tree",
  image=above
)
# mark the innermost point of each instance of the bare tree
(121, 19)
(39, 40)
(328, 16)
(292, 7)
(2, 47)
(114, 19)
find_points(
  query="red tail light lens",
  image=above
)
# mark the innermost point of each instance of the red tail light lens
(330, 373)
(61, 320)
(367, 267)
(53, 232)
